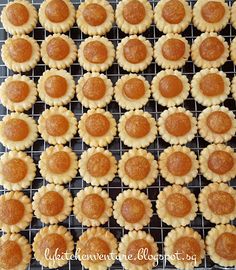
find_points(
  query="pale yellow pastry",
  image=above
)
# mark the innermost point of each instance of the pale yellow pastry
(17, 170)
(170, 87)
(178, 165)
(57, 16)
(56, 87)
(217, 124)
(233, 88)
(233, 50)
(130, 250)
(171, 51)
(96, 54)
(218, 163)
(210, 87)
(15, 252)
(172, 16)
(221, 245)
(18, 93)
(97, 127)
(15, 211)
(210, 15)
(95, 17)
(58, 51)
(57, 125)
(134, 53)
(58, 164)
(97, 249)
(92, 206)
(94, 90)
(177, 125)
(176, 206)
(189, 246)
(217, 202)
(209, 50)
(233, 15)
(52, 204)
(134, 16)
(137, 129)
(53, 245)
(132, 209)
(97, 166)
(20, 53)
(19, 17)
(138, 168)
(132, 91)
(18, 131)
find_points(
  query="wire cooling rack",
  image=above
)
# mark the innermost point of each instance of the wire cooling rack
(157, 228)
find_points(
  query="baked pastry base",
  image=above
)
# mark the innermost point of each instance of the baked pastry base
(78, 201)
(54, 178)
(90, 179)
(65, 194)
(29, 177)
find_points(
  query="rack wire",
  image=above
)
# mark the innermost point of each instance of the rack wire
(157, 228)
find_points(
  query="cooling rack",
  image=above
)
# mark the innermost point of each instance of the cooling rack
(157, 228)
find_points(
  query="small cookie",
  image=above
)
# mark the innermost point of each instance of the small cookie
(172, 16)
(130, 246)
(177, 125)
(189, 246)
(94, 90)
(19, 17)
(20, 53)
(132, 209)
(97, 127)
(178, 165)
(57, 125)
(96, 54)
(218, 163)
(134, 16)
(58, 164)
(97, 248)
(132, 91)
(217, 202)
(217, 124)
(171, 51)
(95, 17)
(15, 211)
(170, 88)
(233, 50)
(210, 16)
(221, 245)
(210, 87)
(138, 168)
(53, 241)
(17, 170)
(137, 129)
(52, 204)
(58, 51)
(134, 53)
(97, 166)
(209, 50)
(92, 206)
(18, 131)
(56, 87)
(176, 206)
(18, 93)
(233, 15)
(57, 16)
(15, 252)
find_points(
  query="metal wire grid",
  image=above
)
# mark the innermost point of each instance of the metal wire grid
(157, 228)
